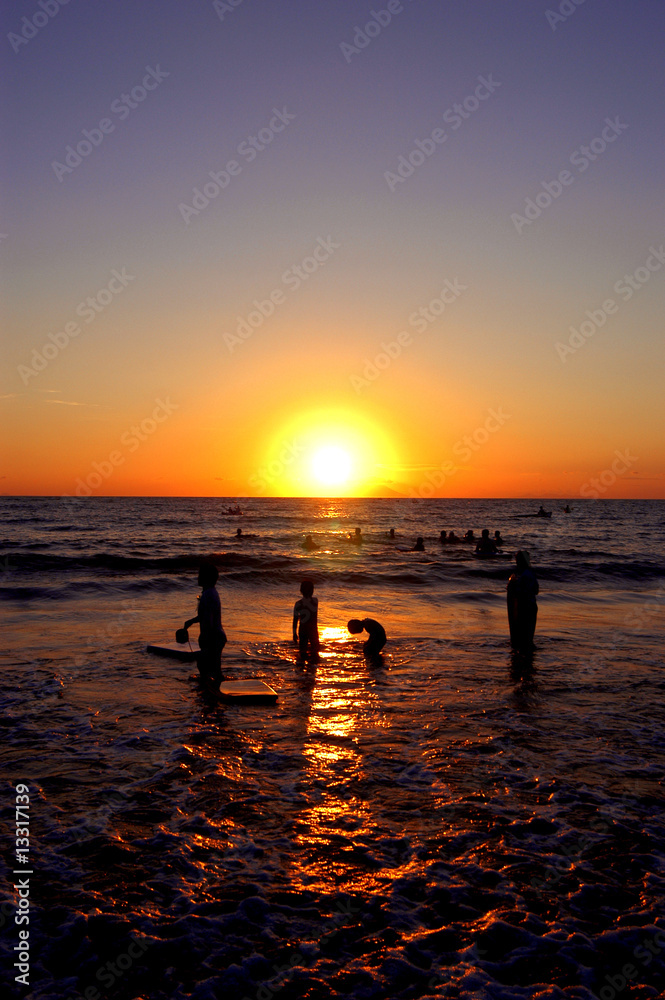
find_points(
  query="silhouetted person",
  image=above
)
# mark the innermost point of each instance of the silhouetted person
(522, 606)
(566, 509)
(469, 537)
(498, 539)
(485, 546)
(306, 622)
(356, 538)
(391, 533)
(309, 544)
(377, 635)
(442, 538)
(452, 538)
(542, 512)
(241, 536)
(212, 637)
(419, 546)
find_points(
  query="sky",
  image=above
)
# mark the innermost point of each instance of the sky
(275, 247)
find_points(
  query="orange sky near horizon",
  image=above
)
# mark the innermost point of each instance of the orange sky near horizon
(462, 328)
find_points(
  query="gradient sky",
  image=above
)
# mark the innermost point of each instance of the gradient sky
(246, 418)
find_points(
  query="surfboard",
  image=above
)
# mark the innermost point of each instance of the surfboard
(247, 691)
(180, 650)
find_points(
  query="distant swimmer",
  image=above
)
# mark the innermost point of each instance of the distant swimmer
(309, 544)
(486, 546)
(377, 635)
(469, 537)
(498, 539)
(419, 546)
(566, 509)
(356, 538)
(442, 538)
(522, 591)
(212, 637)
(306, 622)
(452, 538)
(240, 534)
(391, 533)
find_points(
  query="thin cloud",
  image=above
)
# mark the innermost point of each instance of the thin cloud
(68, 402)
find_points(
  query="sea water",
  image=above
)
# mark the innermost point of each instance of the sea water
(454, 822)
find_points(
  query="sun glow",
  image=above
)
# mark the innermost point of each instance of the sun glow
(331, 465)
(327, 453)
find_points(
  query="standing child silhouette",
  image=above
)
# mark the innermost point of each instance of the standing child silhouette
(306, 622)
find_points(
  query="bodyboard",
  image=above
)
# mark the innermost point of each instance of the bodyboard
(246, 692)
(179, 650)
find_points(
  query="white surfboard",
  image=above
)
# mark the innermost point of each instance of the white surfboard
(180, 650)
(247, 691)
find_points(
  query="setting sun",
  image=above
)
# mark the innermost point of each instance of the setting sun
(331, 465)
(326, 452)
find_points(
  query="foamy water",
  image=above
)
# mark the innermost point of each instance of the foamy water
(455, 823)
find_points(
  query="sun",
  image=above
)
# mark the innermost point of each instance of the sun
(326, 452)
(331, 465)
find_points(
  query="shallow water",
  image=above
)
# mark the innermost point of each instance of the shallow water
(453, 823)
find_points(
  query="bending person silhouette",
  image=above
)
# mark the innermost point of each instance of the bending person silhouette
(377, 635)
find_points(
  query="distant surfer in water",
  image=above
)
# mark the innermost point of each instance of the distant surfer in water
(486, 546)
(522, 591)
(306, 622)
(356, 538)
(419, 546)
(212, 637)
(377, 635)
(309, 544)
(498, 539)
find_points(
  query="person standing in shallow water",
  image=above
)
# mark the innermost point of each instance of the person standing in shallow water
(306, 623)
(522, 591)
(212, 637)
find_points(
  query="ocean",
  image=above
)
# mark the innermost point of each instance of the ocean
(456, 822)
